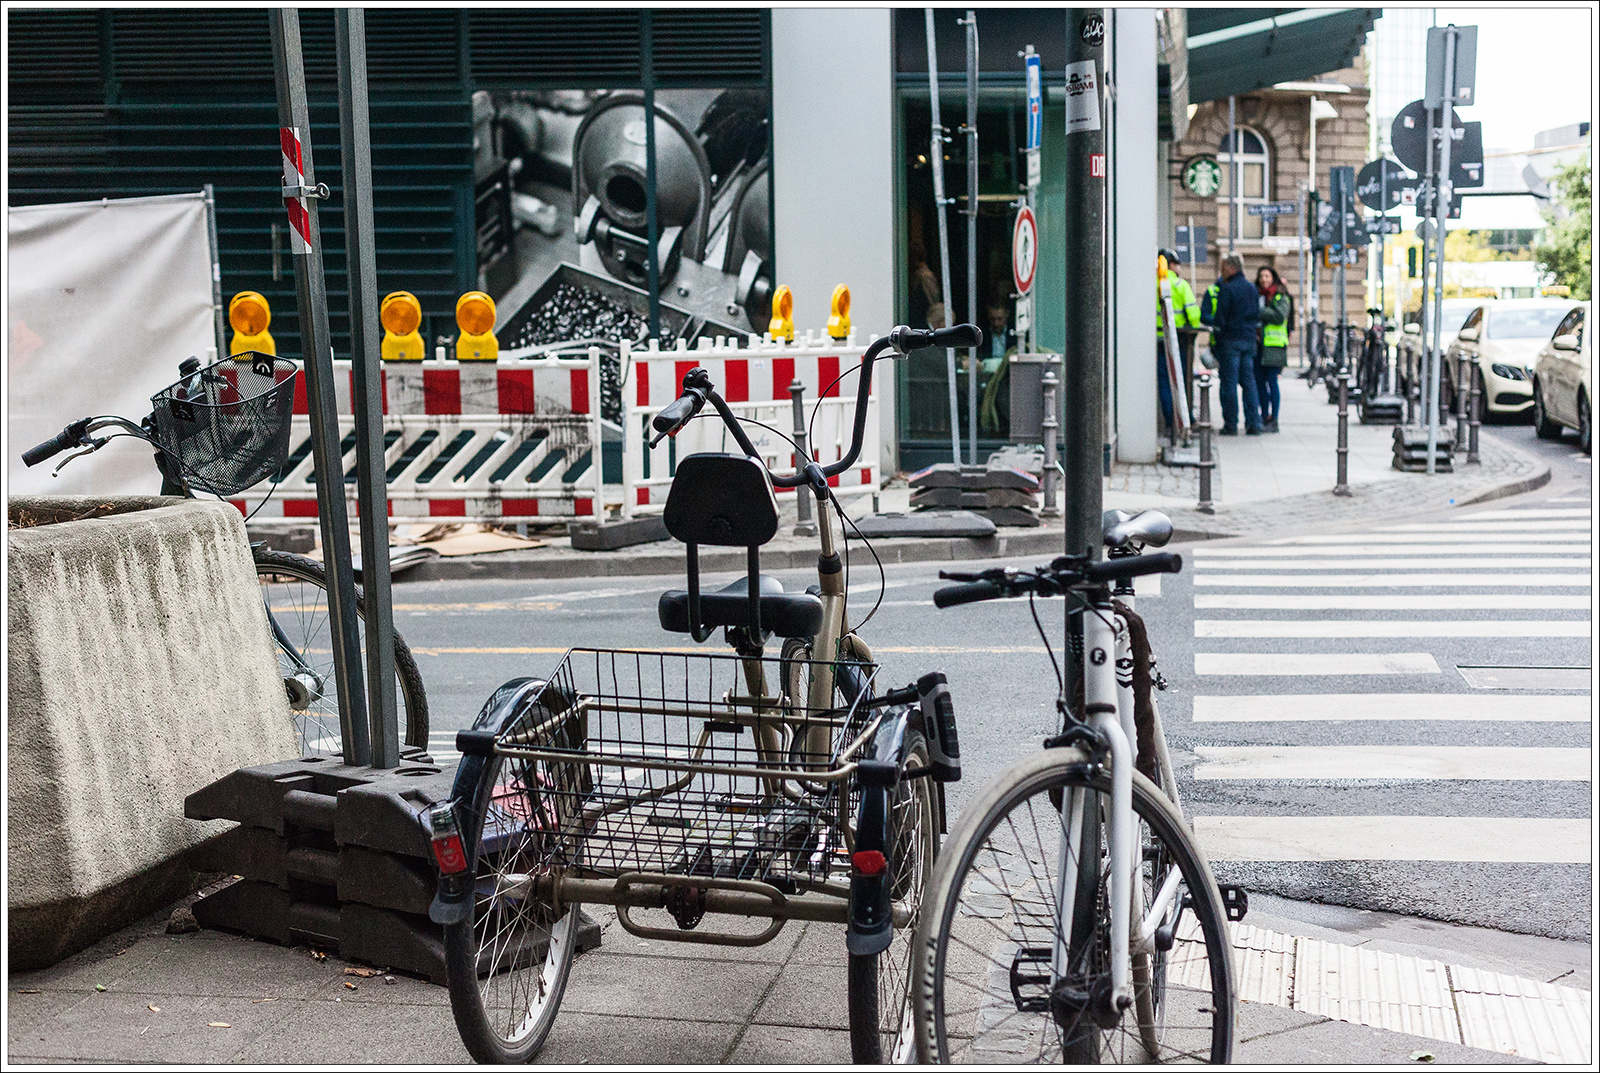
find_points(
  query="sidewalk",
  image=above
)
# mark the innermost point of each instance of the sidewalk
(145, 996)
(1262, 485)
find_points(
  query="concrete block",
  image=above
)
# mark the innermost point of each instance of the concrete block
(141, 669)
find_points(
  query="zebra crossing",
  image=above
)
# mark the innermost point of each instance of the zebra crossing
(1343, 746)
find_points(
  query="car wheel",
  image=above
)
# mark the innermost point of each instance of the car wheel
(1585, 421)
(1543, 427)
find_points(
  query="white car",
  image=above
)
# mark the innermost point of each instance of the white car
(1501, 339)
(1563, 382)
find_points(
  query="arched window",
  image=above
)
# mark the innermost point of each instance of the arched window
(1255, 177)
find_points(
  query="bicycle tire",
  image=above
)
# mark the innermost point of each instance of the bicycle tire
(878, 988)
(317, 716)
(505, 992)
(969, 938)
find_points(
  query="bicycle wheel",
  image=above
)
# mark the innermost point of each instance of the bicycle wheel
(879, 985)
(507, 964)
(295, 591)
(984, 988)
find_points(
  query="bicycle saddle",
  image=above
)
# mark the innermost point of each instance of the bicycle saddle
(786, 614)
(1148, 528)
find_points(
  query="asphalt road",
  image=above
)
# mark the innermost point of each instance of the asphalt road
(1446, 773)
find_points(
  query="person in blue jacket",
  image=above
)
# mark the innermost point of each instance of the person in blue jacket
(1238, 321)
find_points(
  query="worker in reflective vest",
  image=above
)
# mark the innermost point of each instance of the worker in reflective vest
(1277, 313)
(1186, 315)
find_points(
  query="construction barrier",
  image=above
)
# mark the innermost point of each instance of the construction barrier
(474, 441)
(754, 378)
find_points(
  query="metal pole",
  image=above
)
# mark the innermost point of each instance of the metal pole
(1441, 211)
(971, 22)
(372, 498)
(1341, 485)
(936, 161)
(652, 228)
(217, 313)
(1300, 249)
(1463, 378)
(311, 292)
(1202, 424)
(1473, 412)
(1233, 174)
(803, 525)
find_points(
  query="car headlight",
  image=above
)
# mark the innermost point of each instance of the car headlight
(1506, 372)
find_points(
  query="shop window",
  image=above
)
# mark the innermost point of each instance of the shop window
(1255, 177)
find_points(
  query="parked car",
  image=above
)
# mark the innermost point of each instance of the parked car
(1501, 339)
(1414, 341)
(1563, 382)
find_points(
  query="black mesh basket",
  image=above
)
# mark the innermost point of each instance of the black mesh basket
(227, 425)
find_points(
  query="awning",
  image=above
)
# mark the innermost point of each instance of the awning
(1237, 50)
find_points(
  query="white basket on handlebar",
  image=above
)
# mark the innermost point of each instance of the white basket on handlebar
(754, 380)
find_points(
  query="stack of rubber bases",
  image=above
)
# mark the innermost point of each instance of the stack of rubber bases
(1004, 489)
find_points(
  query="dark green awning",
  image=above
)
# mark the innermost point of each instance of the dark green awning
(1236, 50)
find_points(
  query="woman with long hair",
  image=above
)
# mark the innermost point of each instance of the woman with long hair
(1272, 354)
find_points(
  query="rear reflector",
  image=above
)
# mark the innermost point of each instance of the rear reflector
(869, 862)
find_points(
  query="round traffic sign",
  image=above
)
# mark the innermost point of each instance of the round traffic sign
(1380, 184)
(1024, 251)
(1409, 135)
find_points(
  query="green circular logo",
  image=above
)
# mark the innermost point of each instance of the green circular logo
(1203, 176)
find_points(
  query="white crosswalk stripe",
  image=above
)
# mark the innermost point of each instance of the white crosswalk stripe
(1327, 753)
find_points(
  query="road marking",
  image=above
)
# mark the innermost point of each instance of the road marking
(1498, 839)
(1391, 628)
(1452, 535)
(1488, 526)
(1531, 512)
(1397, 581)
(1546, 548)
(1569, 499)
(1315, 663)
(1454, 601)
(1391, 762)
(1465, 707)
(1508, 563)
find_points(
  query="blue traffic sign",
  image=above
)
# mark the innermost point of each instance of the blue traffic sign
(1035, 104)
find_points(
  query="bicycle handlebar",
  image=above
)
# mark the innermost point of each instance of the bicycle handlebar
(905, 339)
(1065, 573)
(967, 593)
(62, 440)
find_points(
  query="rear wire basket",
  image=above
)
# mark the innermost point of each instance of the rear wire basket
(227, 425)
(631, 761)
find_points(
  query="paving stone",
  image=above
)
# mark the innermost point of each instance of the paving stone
(121, 1028)
(688, 989)
(584, 1038)
(787, 1045)
(807, 996)
(350, 1032)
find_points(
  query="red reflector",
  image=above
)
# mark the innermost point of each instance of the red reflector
(869, 862)
(451, 857)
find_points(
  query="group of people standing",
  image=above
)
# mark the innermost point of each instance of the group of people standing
(1249, 325)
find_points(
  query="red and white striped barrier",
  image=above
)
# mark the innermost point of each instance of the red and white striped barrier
(465, 441)
(754, 379)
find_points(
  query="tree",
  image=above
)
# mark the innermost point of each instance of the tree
(1565, 253)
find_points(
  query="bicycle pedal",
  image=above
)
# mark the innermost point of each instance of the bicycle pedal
(1235, 901)
(1027, 957)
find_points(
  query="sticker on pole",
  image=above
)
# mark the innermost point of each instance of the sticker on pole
(1024, 251)
(1083, 98)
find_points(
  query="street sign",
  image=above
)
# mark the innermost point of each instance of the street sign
(1274, 208)
(1466, 65)
(1381, 183)
(1032, 156)
(1466, 155)
(1035, 103)
(1190, 253)
(1334, 255)
(1383, 225)
(1024, 251)
(1343, 225)
(1409, 135)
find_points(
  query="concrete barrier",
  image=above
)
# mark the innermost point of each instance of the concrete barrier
(141, 669)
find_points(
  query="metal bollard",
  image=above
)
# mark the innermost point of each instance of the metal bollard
(1202, 425)
(1342, 487)
(803, 525)
(1462, 391)
(1411, 386)
(1052, 467)
(1474, 410)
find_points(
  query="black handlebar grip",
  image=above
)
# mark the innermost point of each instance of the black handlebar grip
(674, 414)
(960, 336)
(1157, 562)
(968, 593)
(53, 446)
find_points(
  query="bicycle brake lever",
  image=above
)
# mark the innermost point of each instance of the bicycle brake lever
(94, 445)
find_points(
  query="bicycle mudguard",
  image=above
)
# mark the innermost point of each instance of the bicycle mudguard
(452, 903)
(870, 927)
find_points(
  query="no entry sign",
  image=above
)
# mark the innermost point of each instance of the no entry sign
(1024, 251)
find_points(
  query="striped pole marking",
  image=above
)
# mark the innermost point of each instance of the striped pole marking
(294, 176)
(1330, 707)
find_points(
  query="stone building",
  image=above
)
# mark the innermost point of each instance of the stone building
(1276, 150)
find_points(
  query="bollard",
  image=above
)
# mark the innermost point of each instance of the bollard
(1462, 390)
(1474, 415)
(1342, 487)
(1052, 465)
(803, 525)
(1203, 427)
(1411, 386)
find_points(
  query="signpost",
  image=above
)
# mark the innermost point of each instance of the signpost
(1024, 265)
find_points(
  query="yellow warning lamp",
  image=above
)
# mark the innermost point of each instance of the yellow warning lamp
(782, 326)
(839, 313)
(401, 313)
(475, 318)
(250, 314)
(1162, 268)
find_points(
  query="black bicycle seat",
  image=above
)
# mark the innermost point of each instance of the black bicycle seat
(786, 614)
(1148, 528)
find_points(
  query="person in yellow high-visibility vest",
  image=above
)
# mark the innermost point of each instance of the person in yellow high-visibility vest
(1277, 314)
(1186, 315)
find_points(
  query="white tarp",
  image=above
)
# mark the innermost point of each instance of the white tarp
(106, 298)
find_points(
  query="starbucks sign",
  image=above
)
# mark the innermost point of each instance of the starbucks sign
(1202, 175)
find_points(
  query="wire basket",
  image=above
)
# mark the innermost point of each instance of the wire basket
(227, 425)
(669, 763)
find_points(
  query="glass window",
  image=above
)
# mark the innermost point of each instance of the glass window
(1571, 324)
(1525, 323)
(1255, 182)
(1474, 319)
